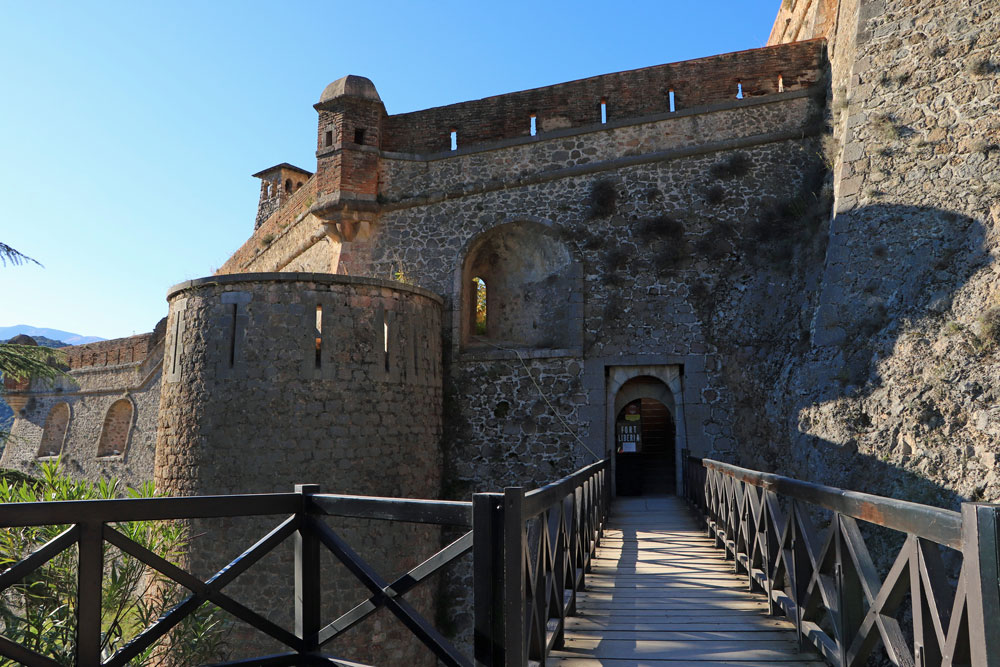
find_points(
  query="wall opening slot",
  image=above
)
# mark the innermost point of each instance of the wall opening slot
(319, 336)
(416, 350)
(781, 84)
(175, 357)
(329, 137)
(604, 110)
(232, 336)
(385, 341)
(739, 90)
(359, 136)
(454, 140)
(534, 125)
(670, 95)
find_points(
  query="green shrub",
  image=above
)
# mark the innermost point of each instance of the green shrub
(660, 227)
(715, 243)
(715, 195)
(603, 198)
(39, 612)
(671, 257)
(981, 67)
(989, 331)
(885, 129)
(737, 166)
(614, 259)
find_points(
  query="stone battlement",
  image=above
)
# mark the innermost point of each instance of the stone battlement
(133, 349)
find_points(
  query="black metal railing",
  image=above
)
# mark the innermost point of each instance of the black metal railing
(531, 552)
(825, 580)
(91, 526)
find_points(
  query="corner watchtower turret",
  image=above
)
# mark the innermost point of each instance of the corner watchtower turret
(351, 116)
(277, 183)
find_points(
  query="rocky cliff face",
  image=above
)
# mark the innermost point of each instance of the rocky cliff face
(894, 386)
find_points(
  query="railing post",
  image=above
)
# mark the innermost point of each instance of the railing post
(980, 545)
(90, 576)
(487, 576)
(685, 474)
(307, 583)
(514, 539)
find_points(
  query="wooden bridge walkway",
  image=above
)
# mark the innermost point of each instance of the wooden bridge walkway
(660, 594)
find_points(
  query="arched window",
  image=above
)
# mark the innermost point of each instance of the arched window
(116, 430)
(521, 287)
(288, 186)
(54, 431)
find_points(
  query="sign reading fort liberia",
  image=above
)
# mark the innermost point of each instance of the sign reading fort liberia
(711, 257)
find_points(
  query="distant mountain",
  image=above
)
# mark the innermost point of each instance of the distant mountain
(66, 337)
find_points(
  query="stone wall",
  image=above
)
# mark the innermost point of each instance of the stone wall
(895, 394)
(271, 380)
(699, 203)
(99, 376)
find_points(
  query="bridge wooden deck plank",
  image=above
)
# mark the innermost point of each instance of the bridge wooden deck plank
(659, 594)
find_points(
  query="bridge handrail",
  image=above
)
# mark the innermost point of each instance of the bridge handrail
(518, 538)
(932, 523)
(531, 552)
(92, 523)
(540, 499)
(826, 581)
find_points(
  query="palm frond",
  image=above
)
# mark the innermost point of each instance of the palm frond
(8, 254)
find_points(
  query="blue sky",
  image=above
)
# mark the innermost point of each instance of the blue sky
(129, 130)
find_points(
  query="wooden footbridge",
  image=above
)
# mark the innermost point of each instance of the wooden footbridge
(660, 593)
(752, 569)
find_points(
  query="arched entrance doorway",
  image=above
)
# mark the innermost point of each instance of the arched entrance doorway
(645, 436)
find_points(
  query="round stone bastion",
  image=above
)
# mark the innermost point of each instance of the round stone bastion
(277, 379)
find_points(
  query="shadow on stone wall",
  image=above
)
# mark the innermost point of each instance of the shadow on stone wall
(881, 399)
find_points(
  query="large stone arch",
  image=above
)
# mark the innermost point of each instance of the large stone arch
(54, 431)
(534, 288)
(117, 428)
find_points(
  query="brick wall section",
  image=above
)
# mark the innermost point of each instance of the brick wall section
(111, 352)
(277, 233)
(347, 167)
(629, 94)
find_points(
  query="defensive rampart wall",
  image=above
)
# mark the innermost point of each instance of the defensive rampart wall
(276, 379)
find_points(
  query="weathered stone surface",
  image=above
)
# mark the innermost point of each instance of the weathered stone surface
(291, 378)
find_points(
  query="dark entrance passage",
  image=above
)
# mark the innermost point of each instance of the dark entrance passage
(644, 449)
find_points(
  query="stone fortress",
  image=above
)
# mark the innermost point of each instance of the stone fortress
(784, 257)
